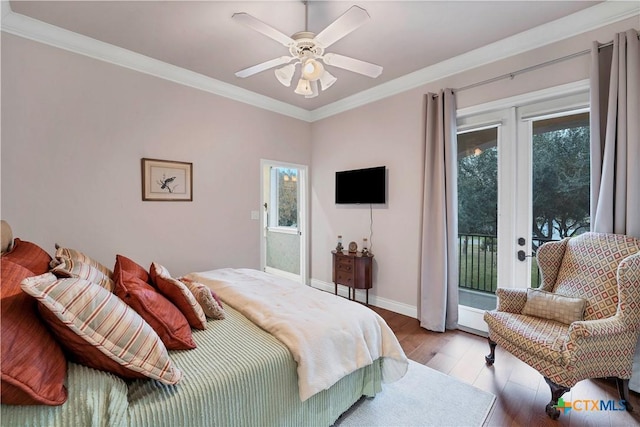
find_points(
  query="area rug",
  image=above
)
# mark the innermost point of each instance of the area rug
(423, 397)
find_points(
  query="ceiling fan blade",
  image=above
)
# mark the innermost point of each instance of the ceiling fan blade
(346, 23)
(264, 66)
(351, 64)
(261, 27)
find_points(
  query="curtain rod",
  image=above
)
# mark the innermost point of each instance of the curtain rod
(532, 67)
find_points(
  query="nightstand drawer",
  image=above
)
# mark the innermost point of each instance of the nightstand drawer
(345, 265)
(343, 278)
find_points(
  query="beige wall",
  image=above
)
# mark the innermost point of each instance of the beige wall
(73, 132)
(391, 132)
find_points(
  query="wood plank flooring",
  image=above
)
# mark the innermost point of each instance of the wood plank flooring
(521, 392)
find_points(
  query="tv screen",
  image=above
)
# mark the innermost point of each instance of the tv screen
(361, 186)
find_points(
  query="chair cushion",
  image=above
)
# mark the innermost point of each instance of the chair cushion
(552, 306)
(589, 269)
(533, 336)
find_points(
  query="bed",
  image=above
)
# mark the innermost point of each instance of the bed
(239, 374)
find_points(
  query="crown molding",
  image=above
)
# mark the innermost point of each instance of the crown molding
(33, 29)
(588, 19)
(580, 22)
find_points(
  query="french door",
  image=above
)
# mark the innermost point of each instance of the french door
(523, 179)
(284, 219)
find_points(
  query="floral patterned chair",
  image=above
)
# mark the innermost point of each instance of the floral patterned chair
(584, 320)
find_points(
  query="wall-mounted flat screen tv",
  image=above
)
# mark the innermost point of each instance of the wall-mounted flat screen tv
(361, 186)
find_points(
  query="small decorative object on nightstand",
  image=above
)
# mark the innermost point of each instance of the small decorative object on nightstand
(365, 245)
(353, 269)
(353, 247)
(339, 247)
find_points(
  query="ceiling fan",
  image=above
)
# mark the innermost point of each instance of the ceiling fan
(308, 49)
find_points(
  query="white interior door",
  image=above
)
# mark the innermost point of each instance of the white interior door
(523, 179)
(284, 220)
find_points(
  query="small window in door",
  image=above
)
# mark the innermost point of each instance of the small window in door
(284, 198)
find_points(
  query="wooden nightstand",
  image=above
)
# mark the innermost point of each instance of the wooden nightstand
(353, 270)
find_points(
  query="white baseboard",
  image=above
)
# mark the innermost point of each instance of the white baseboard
(387, 304)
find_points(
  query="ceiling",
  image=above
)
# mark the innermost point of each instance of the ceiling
(401, 36)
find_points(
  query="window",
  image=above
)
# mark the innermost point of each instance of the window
(284, 198)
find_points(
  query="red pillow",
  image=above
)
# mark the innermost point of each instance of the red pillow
(30, 256)
(169, 323)
(132, 267)
(34, 367)
(179, 294)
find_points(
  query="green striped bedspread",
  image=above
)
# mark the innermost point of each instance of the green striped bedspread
(239, 375)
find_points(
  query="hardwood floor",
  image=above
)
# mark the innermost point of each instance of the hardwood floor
(521, 392)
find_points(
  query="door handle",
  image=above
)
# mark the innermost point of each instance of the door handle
(522, 256)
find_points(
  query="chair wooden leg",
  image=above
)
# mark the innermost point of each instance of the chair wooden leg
(557, 391)
(491, 357)
(623, 389)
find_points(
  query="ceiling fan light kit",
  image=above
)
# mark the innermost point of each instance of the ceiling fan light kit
(304, 87)
(312, 70)
(285, 74)
(307, 49)
(327, 80)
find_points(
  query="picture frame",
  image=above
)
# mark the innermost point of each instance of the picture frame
(166, 181)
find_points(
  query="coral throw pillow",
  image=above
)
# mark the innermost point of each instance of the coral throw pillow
(33, 365)
(179, 294)
(160, 313)
(29, 255)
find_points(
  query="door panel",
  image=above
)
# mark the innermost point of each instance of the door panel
(523, 179)
(283, 237)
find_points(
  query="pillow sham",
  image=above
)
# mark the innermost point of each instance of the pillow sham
(62, 253)
(548, 305)
(125, 264)
(33, 365)
(179, 294)
(29, 255)
(164, 317)
(208, 300)
(100, 331)
(79, 270)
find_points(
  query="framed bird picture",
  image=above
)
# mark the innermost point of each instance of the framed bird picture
(167, 181)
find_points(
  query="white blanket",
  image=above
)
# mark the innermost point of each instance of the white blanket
(328, 336)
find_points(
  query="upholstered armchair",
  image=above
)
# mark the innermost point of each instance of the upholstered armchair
(584, 320)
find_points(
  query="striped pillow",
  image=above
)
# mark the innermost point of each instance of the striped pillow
(208, 300)
(62, 253)
(99, 330)
(179, 294)
(79, 270)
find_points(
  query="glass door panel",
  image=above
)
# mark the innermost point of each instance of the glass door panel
(282, 234)
(478, 217)
(560, 180)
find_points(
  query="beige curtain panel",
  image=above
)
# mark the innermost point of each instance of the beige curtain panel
(615, 136)
(439, 263)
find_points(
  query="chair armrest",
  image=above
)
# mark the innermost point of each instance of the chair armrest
(629, 290)
(549, 257)
(595, 328)
(511, 300)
